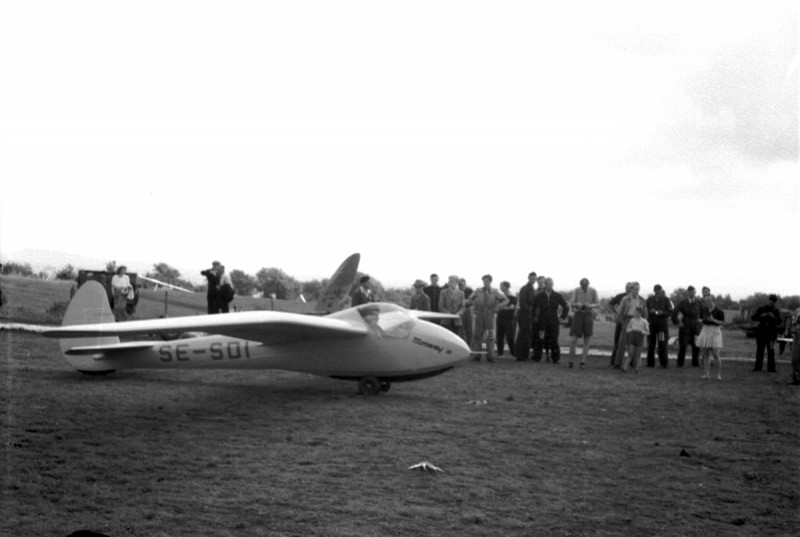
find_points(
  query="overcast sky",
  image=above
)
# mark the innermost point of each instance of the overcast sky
(614, 141)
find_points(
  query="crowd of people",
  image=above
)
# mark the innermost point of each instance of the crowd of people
(492, 320)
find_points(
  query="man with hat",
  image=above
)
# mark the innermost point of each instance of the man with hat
(419, 300)
(659, 309)
(768, 318)
(363, 294)
(451, 300)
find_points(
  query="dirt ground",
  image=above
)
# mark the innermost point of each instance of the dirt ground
(552, 451)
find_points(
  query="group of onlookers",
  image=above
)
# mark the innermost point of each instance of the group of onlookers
(529, 323)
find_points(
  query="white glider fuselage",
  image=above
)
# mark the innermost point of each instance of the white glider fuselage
(397, 346)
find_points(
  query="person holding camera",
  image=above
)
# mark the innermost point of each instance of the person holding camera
(583, 303)
(212, 293)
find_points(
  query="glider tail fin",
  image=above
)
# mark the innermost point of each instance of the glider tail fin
(335, 295)
(88, 306)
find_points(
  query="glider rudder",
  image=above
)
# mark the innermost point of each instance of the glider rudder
(88, 306)
(335, 295)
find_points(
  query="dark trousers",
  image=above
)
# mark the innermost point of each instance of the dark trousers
(550, 341)
(523, 344)
(686, 336)
(213, 301)
(762, 342)
(505, 332)
(617, 332)
(659, 334)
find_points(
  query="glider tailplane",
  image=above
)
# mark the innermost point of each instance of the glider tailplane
(88, 306)
(335, 295)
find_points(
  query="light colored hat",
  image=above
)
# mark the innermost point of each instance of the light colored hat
(419, 283)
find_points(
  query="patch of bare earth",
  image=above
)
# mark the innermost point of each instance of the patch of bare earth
(554, 451)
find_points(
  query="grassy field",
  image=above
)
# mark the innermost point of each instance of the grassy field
(553, 451)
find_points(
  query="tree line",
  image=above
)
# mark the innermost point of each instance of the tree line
(285, 287)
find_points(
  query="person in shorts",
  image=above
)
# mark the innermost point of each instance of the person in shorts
(583, 303)
(636, 331)
(710, 338)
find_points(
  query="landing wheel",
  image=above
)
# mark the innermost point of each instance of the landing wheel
(369, 386)
(385, 386)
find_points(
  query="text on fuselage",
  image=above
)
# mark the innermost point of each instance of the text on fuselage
(182, 352)
(437, 348)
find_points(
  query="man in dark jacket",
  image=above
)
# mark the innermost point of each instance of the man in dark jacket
(659, 309)
(768, 318)
(525, 318)
(687, 316)
(212, 293)
(363, 294)
(545, 317)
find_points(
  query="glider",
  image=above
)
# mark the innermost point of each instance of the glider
(375, 344)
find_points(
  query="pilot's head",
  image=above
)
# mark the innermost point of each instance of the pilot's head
(371, 314)
(364, 281)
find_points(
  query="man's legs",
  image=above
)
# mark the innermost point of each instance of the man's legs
(652, 339)
(761, 343)
(617, 332)
(682, 342)
(477, 336)
(523, 344)
(771, 356)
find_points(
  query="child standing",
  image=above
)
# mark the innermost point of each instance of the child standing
(637, 329)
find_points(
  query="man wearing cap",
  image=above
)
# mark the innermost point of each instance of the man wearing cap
(363, 294)
(212, 293)
(451, 300)
(524, 316)
(687, 316)
(659, 310)
(583, 303)
(487, 300)
(768, 318)
(419, 300)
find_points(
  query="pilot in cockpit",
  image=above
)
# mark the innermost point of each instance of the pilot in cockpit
(372, 316)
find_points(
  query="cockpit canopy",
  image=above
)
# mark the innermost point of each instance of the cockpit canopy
(387, 320)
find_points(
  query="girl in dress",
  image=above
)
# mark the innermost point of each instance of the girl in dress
(710, 337)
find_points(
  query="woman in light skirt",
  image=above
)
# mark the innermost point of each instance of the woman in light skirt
(710, 337)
